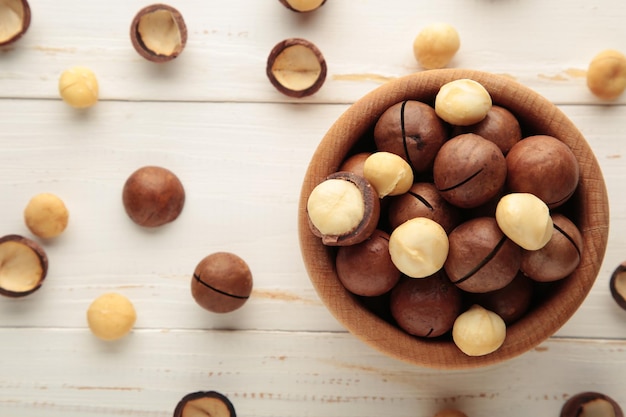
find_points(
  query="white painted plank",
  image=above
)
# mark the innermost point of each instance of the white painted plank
(284, 374)
(543, 43)
(242, 166)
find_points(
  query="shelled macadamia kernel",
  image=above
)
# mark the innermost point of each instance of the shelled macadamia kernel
(78, 87)
(46, 215)
(606, 75)
(478, 331)
(435, 45)
(111, 316)
(462, 102)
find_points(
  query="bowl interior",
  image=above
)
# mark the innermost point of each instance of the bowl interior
(588, 208)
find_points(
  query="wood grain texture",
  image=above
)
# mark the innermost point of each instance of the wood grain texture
(241, 150)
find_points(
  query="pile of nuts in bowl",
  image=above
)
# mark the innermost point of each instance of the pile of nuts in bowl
(454, 219)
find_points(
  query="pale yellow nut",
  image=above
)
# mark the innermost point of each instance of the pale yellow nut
(336, 207)
(388, 173)
(525, 219)
(435, 45)
(78, 87)
(305, 5)
(463, 102)
(606, 75)
(418, 247)
(478, 331)
(111, 316)
(46, 215)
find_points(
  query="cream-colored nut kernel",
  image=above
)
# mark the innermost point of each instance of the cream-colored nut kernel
(462, 102)
(478, 331)
(46, 215)
(597, 408)
(78, 87)
(304, 5)
(435, 45)
(418, 247)
(336, 207)
(389, 173)
(525, 219)
(606, 75)
(111, 316)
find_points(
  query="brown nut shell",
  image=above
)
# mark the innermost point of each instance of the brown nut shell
(617, 285)
(221, 283)
(559, 257)
(296, 67)
(158, 33)
(412, 130)
(23, 266)
(426, 307)
(370, 217)
(423, 200)
(510, 302)
(580, 405)
(296, 7)
(500, 126)
(15, 17)
(355, 163)
(481, 258)
(544, 166)
(153, 196)
(469, 170)
(366, 268)
(205, 403)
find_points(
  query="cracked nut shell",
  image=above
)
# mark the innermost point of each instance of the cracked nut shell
(204, 404)
(591, 404)
(158, 33)
(153, 196)
(296, 67)
(15, 16)
(617, 285)
(23, 266)
(222, 282)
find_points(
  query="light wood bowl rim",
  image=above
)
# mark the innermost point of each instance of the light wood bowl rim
(536, 326)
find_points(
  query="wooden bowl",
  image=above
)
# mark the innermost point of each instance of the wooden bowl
(588, 209)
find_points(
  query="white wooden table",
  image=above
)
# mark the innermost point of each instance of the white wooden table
(241, 148)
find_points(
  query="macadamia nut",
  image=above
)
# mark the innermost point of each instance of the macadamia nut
(111, 316)
(606, 75)
(389, 173)
(336, 207)
(462, 102)
(78, 87)
(436, 45)
(478, 331)
(303, 5)
(419, 247)
(525, 219)
(46, 216)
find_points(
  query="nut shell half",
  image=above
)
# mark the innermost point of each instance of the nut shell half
(204, 403)
(23, 266)
(296, 67)
(585, 403)
(15, 16)
(617, 285)
(158, 33)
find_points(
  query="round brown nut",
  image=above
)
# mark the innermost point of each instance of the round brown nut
(510, 302)
(153, 196)
(204, 403)
(344, 209)
(296, 67)
(23, 266)
(222, 282)
(15, 16)
(366, 268)
(500, 126)
(423, 200)
(426, 307)
(559, 257)
(354, 163)
(591, 404)
(544, 166)
(412, 130)
(158, 33)
(469, 170)
(481, 258)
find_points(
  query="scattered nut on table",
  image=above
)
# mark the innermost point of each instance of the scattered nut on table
(591, 404)
(617, 285)
(111, 316)
(46, 215)
(78, 87)
(606, 75)
(303, 6)
(158, 33)
(205, 404)
(435, 45)
(23, 266)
